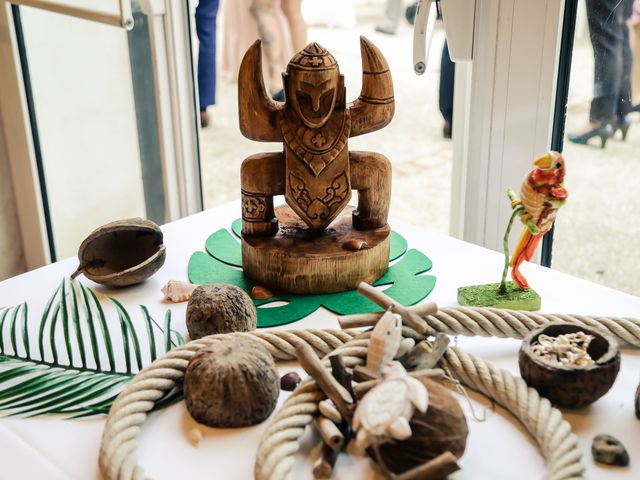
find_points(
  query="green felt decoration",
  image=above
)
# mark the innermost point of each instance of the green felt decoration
(490, 296)
(405, 278)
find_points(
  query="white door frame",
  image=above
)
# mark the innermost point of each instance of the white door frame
(177, 112)
(508, 93)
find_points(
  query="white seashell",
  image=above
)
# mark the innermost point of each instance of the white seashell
(178, 291)
(385, 342)
(194, 436)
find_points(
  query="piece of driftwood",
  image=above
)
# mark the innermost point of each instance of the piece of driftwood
(329, 410)
(425, 354)
(122, 253)
(363, 387)
(327, 383)
(315, 172)
(340, 372)
(406, 344)
(437, 469)
(360, 320)
(384, 342)
(329, 432)
(411, 318)
(231, 383)
(570, 386)
(323, 468)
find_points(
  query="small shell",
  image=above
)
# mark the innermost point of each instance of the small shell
(178, 291)
(194, 436)
(354, 245)
(260, 293)
(385, 342)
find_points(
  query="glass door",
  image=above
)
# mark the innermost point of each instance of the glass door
(101, 121)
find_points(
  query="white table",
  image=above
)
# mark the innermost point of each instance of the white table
(51, 448)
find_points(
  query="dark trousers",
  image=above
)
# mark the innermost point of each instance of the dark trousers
(447, 75)
(612, 58)
(206, 13)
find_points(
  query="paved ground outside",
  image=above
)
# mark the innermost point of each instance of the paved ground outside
(598, 232)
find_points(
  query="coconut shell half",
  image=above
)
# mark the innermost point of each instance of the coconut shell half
(122, 253)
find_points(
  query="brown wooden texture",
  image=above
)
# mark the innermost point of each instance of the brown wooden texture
(296, 261)
(315, 172)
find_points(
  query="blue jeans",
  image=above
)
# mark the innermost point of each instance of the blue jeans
(206, 13)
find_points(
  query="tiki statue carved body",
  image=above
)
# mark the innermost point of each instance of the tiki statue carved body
(316, 172)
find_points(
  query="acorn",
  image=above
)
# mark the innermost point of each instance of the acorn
(231, 383)
(441, 428)
(569, 385)
(122, 253)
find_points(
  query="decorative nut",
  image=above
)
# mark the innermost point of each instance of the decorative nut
(290, 381)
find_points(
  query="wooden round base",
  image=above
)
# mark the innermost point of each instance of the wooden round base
(296, 262)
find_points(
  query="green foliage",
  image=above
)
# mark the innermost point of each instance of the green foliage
(71, 368)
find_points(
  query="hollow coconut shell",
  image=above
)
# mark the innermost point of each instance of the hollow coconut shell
(570, 386)
(122, 253)
(441, 428)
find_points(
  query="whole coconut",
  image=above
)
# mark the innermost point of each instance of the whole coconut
(442, 428)
(220, 308)
(232, 383)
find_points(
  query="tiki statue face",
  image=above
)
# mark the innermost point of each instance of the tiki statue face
(311, 85)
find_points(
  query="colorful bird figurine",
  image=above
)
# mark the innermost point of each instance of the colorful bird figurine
(541, 195)
(384, 412)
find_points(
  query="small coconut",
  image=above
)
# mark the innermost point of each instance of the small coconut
(568, 385)
(232, 383)
(442, 428)
(220, 308)
(122, 253)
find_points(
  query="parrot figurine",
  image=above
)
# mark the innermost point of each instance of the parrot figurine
(541, 195)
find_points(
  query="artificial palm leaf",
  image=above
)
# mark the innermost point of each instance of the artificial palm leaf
(72, 368)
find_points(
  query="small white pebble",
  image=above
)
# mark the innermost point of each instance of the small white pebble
(194, 436)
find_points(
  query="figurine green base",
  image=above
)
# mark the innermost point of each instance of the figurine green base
(489, 296)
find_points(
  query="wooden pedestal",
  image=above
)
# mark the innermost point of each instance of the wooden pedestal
(296, 262)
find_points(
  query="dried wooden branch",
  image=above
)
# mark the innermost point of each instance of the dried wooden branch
(363, 387)
(437, 469)
(311, 364)
(323, 467)
(406, 344)
(329, 432)
(329, 410)
(412, 319)
(340, 372)
(426, 355)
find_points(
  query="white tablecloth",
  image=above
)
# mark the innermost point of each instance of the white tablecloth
(498, 448)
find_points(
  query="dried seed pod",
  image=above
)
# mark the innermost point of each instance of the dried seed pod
(442, 428)
(231, 383)
(564, 383)
(290, 381)
(122, 253)
(178, 291)
(220, 308)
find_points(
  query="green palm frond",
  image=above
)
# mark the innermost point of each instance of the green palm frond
(72, 367)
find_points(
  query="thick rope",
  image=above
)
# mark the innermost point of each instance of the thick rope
(118, 451)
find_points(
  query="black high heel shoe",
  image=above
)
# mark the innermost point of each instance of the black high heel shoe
(622, 125)
(605, 132)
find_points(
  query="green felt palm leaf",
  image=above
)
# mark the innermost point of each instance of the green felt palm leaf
(71, 367)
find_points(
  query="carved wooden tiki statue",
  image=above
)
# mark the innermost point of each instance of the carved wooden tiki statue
(316, 172)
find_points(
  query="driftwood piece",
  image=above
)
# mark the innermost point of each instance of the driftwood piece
(339, 395)
(384, 342)
(426, 355)
(323, 468)
(329, 432)
(340, 372)
(363, 387)
(406, 344)
(410, 318)
(329, 410)
(360, 320)
(437, 469)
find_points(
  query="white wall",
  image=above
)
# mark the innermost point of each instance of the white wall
(11, 255)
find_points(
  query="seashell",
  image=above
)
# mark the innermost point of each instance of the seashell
(194, 436)
(608, 450)
(384, 342)
(122, 253)
(178, 291)
(260, 293)
(354, 245)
